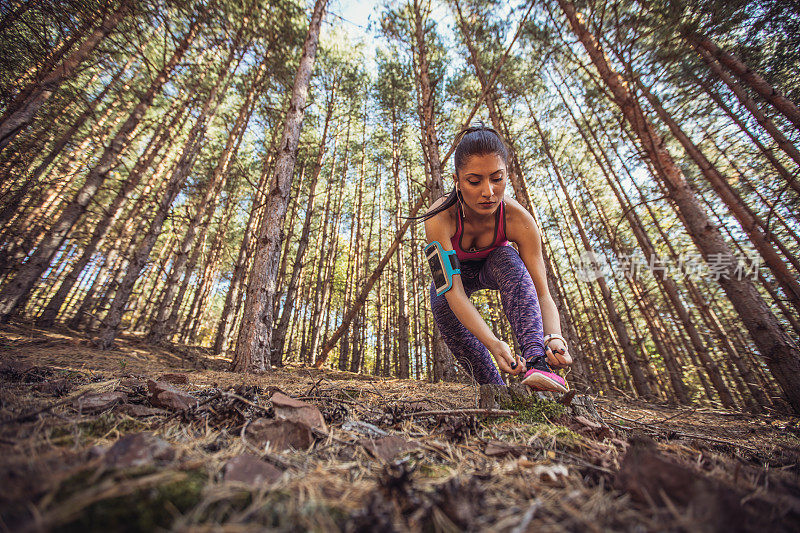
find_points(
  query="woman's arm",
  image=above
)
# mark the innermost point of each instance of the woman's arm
(523, 230)
(436, 229)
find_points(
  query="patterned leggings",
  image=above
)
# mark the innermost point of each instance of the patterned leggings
(502, 270)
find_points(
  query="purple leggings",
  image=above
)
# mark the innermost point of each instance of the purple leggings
(502, 270)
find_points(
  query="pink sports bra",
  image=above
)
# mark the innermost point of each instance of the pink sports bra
(499, 237)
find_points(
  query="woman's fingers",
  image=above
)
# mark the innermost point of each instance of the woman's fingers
(505, 358)
(557, 354)
(519, 367)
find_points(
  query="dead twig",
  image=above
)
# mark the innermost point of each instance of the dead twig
(246, 401)
(652, 425)
(455, 412)
(26, 416)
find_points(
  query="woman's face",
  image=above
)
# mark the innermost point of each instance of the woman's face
(482, 182)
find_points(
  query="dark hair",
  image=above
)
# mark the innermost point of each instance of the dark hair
(475, 140)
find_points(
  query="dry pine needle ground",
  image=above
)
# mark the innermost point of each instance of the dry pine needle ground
(86, 443)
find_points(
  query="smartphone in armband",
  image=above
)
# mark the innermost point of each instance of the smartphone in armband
(444, 265)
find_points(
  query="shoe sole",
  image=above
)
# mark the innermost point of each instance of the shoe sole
(542, 382)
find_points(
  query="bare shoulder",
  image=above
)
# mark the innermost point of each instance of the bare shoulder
(520, 224)
(442, 225)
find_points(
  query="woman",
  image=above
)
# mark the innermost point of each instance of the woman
(477, 220)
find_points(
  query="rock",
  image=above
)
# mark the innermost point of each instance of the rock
(138, 410)
(387, 448)
(364, 428)
(131, 384)
(175, 377)
(138, 449)
(588, 423)
(583, 406)
(417, 405)
(250, 470)
(648, 476)
(169, 397)
(280, 434)
(94, 403)
(287, 408)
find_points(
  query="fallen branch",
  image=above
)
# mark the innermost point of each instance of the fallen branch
(246, 401)
(22, 418)
(681, 434)
(482, 412)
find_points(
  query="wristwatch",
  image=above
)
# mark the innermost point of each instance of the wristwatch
(551, 336)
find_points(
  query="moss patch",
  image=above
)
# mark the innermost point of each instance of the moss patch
(143, 510)
(95, 427)
(533, 410)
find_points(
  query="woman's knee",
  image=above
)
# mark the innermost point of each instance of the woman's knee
(505, 264)
(503, 256)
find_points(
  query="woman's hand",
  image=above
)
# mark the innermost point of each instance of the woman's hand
(505, 358)
(557, 353)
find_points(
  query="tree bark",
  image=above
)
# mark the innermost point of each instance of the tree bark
(253, 345)
(35, 96)
(779, 351)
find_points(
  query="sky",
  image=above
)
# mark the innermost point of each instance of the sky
(354, 16)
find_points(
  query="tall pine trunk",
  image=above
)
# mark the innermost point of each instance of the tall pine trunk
(253, 345)
(16, 291)
(779, 351)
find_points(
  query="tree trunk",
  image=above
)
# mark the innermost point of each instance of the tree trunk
(16, 291)
(279, 335)
(35, 96)
(253, 345)
(779, 351)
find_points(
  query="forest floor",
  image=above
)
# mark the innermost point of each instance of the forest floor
(145, 438)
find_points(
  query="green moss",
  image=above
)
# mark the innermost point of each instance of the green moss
(533, 410)
(434, 470)
(143, 510)
(95, 428)
(563, 435)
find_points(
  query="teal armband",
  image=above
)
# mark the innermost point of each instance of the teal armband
(444, 265)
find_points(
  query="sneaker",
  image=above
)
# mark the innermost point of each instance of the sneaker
(541, 377)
